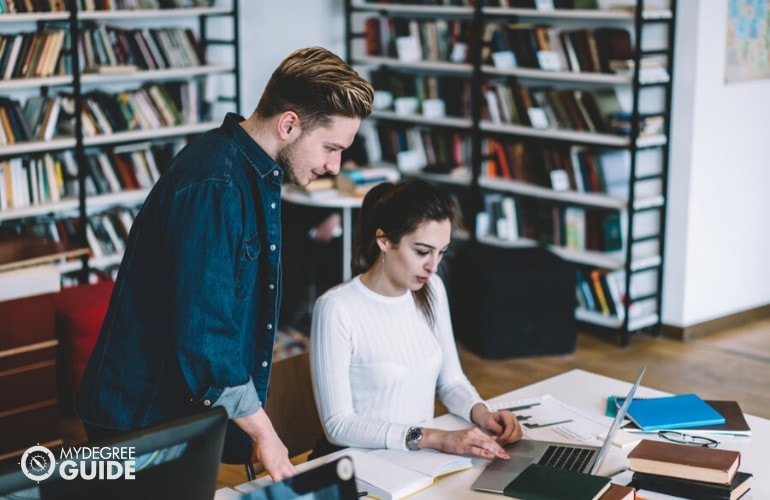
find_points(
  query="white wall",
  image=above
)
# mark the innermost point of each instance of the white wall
(718, 230)
(271, 29)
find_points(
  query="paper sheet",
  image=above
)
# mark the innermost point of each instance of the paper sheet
(548, 419)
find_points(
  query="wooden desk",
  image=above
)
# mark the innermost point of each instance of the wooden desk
(345, 204)
(588, 392)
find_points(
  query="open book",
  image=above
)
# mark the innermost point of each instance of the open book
(395, 474)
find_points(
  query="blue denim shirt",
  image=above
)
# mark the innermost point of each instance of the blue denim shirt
(193, 314)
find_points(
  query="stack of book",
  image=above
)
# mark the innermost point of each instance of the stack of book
(687, 471)
(358, 181)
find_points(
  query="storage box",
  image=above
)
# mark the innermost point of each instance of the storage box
(513, 302)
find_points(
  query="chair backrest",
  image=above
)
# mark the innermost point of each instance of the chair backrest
(291, 404)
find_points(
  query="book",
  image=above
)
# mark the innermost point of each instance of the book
(735, 422)
(684, 461)
(619, 492)
(540, 482)
(693, 489)
(672, 412)
(395, 474)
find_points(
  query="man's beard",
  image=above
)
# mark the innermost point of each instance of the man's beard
(285, 158)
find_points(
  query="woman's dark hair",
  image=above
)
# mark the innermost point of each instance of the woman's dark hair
(399, 209)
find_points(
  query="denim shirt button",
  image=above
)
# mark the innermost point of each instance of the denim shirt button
(272, 205)
(269, 326)
(272, 248)
(264, 364)
(271, 286)
(206, 402)
(275, 173)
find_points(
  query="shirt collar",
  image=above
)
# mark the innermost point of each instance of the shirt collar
(254, 154)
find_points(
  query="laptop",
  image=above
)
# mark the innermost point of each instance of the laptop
(575, 457)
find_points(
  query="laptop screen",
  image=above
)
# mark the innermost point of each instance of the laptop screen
(621, 414)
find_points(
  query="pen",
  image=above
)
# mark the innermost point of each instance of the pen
(362, 494)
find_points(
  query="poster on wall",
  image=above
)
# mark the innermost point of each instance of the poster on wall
(748, 40)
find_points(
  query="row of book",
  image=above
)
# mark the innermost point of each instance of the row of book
(411, 40)
(509, 218)
(539, 46)
(445, 3)
(34, 54)
(597, 111)
(547, 5)
(33, 181)
(24, 6)
(601, 291)
(571, 168)
(152, 106)
(123, 168)
(92, 5)
(106, 233)
(453, 92)
(49, 178)
(424, 149)
(34, 121)
(110, 48)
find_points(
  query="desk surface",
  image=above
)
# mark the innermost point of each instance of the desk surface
(588, 392)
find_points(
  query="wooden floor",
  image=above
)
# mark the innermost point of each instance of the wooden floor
(732, 364)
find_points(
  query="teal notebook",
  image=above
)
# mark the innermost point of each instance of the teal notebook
(683, 411)
(540, 482)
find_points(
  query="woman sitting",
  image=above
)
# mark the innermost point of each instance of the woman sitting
(382, 344)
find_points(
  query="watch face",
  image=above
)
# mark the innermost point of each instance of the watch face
(413, 437)
(38, 463)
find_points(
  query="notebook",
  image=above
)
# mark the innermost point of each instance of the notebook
(673, 412)
(575, 457)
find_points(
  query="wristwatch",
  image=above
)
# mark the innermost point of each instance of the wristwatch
(413, 437)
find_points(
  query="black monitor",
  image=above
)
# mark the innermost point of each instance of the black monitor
(334, 480)
(178, 459)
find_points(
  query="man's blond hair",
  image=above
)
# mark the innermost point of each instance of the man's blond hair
(317, 85)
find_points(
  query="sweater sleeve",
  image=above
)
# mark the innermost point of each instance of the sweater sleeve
(331, 348)
(454, 389)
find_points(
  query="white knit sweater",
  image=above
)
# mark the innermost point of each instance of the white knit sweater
(377, 365)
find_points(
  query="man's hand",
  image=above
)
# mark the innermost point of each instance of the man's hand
(267, 447)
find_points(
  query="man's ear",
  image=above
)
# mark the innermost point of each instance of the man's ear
(288, 126)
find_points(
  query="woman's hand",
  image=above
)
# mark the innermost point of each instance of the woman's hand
(471, 441)
(502, 424)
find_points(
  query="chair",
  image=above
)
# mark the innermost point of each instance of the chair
(291, 405)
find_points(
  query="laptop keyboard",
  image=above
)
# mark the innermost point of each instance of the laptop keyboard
(567, 457)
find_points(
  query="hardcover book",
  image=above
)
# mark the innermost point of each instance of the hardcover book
(540, 482)
(693, 489)
(697, 463)
(619, 492)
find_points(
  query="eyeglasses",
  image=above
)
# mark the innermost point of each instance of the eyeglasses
(682, 438)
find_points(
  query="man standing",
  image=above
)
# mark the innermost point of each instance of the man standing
(193, 315)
